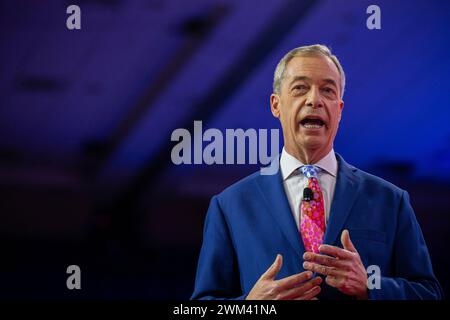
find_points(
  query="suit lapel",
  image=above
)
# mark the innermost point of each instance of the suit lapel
(272, 189)
(345, 194)
(346, 190)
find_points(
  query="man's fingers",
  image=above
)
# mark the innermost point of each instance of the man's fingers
(335, 252)
(346, 242)
(294, 280)
(323, 260)
(273, 270)
(310, 294)
(300, 290)
(332, 281)
(326, 271)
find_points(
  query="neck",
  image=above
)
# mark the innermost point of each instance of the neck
(308, 156)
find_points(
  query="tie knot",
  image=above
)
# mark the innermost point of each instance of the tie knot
(310, 171)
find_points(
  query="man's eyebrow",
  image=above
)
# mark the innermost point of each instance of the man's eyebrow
(330, 81)
(299, 78)
(305, 78)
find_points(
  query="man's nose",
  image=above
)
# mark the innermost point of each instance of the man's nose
(313, 98)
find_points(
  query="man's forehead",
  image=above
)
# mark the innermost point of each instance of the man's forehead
(312, 66)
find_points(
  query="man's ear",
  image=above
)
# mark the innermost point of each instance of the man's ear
(275, 105)
(341, 107)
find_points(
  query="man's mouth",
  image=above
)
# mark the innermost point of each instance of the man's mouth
(312, 123)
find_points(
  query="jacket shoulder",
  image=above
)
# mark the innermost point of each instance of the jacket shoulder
(374, 182)
(241, 187)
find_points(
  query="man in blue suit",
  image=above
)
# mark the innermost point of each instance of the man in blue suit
(369, 223)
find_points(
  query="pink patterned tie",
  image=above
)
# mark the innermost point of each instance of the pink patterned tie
(312, 220)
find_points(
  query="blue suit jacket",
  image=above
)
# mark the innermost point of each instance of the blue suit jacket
(251, 221)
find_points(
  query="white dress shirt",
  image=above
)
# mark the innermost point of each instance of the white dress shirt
(294, 181)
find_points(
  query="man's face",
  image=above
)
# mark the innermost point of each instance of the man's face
(309, 106)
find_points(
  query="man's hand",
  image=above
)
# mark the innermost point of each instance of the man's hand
(343, 268)
(295, 287)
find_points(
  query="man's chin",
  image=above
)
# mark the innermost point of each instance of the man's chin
(311, 142)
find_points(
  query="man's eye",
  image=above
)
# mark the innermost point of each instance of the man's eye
(300, 88)
(328, 90)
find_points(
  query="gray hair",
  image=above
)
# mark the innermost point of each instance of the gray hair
(313, 50)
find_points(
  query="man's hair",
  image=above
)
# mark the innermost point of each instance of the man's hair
(313, 50)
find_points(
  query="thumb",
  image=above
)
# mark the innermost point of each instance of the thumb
(346, 242)
(273, 270)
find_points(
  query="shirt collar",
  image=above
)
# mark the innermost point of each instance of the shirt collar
(289, 164)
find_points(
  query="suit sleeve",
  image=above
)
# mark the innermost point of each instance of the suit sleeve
(217, 272)
(414, 278)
